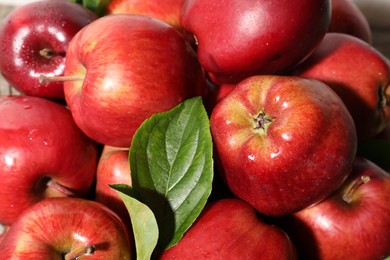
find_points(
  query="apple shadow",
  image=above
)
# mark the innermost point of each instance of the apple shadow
(300, 235)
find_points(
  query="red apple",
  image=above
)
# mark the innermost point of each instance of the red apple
(284, 143)
(167, 11)
(33, 40)
(353, 223)
(230, 229)
(237, 38)
(359, 74)
(42, 154)
(348, 18)
(67, 228)
(113, 168)
(130, 67)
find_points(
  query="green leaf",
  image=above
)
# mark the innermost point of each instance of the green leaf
(172, 167)
(377, 151)
(97, 6)
(143, 222)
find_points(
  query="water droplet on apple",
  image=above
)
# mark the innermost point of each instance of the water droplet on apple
(32, 134)
(27, 107)
(45, 142)
(275, 153)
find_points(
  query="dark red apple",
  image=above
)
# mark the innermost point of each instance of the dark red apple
(67, 228)
(353, 223)
(348, 18)
(113, 168)
(359, 74)
(167, 11)
(129, 67)
(42, 154)
(284, 143)
(33, 41)
(237, 38)
(231, 229)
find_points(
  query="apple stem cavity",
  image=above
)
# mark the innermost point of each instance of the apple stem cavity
(79, 252)
(48, 79)
(347, 197)
(48, 53)
(59, 189)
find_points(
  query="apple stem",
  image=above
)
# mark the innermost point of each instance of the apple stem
(347, 197)
(81, 251)
(60, 188)
(46, 53)
(48, 79)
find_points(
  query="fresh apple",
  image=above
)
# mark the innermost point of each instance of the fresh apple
(33, 41)
(237, 38)
(231, 229)
(167, 11)
(359, 74)
(348, 18)
(124, 68)
(67, 228)
(284, 143)
(352, 223)
(42, 154)
(113, 168)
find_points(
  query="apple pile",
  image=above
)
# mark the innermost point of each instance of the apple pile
(193, 129)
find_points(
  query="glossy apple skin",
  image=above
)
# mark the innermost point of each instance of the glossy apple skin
(33, 27)
(113, 168)
(348, 18)
(167, 11)
(40, 144)
(237, 39)
(298, 158)
(55, 227)
(359, 74)
(134, 66)
(230, 229)
(337, 229)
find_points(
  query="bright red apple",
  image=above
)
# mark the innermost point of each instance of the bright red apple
(67, 228)
(231, 229)
(42, 154)
(359, 74)
(353, 223)
(284, 143)
(113, 168)
(167, 11)
(129, 67)
(33, 41)
(348, 18)
(240, 38)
